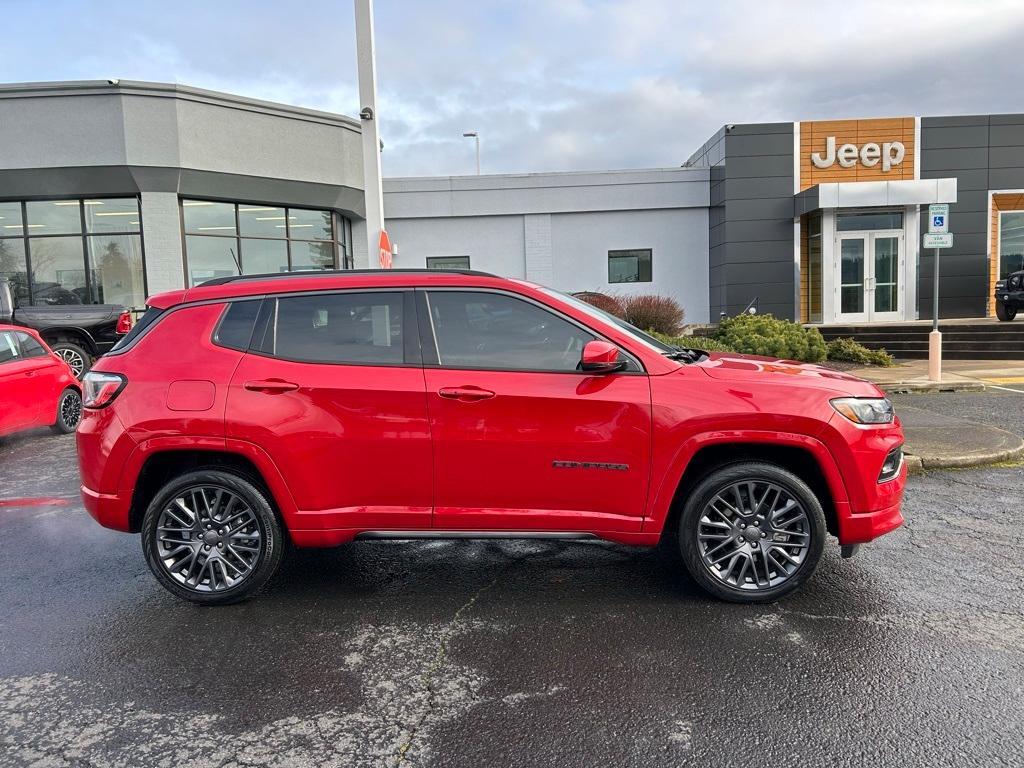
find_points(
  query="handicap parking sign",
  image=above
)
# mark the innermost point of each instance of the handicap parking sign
(938, 218)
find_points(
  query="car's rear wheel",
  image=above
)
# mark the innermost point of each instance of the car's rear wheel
(78, 360)
(1004, 312)
(211, 537)
(69, 411)
(751, 532)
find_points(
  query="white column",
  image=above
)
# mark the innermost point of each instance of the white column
(161, 238)
(367, 65)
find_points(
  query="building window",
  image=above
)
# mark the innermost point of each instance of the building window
(447, 262)
(1011, 242)
(851, 222)
(83, 251)
(814, 274)
(224, 239)
(633, 266)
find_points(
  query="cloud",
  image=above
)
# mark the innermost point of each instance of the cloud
(550, 84)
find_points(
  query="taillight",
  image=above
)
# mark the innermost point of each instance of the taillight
(99, 389)
(124, 322)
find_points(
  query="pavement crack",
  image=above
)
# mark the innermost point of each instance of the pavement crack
(429, 676)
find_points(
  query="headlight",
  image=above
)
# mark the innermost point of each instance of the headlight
(865, 410)
(1000, 285)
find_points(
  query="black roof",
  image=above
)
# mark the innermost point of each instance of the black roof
(342, 272)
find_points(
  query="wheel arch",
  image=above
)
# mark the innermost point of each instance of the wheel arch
(71, 334)
(163, 464)
(804, 456)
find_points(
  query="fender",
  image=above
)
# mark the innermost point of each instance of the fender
(70, 330)
(662, 501)
(269, 472)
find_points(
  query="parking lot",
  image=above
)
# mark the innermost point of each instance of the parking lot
(511, 653)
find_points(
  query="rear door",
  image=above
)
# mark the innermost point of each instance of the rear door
(522, 439)
(332, 388)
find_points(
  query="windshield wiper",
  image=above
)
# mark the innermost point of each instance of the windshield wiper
(684, 354)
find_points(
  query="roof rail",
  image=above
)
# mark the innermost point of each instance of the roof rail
(342, 272)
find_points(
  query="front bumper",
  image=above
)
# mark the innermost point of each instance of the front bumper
(1010, 298)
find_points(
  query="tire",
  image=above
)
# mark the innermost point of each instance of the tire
(218, 539)
(69, 411)
(797, 534)
(77, 358)
(1004, 312)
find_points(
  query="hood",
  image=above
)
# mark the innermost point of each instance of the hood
(754, 368)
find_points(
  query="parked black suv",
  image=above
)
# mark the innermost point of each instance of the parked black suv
(77, 332)
(1010, 295)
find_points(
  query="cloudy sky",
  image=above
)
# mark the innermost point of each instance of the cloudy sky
(550, 84)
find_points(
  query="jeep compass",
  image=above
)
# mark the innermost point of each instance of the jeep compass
(320, 408)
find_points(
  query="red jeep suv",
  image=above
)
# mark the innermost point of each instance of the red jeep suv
(325, 407)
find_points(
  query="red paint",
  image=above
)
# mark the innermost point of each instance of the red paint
(35, 501)
(348, 448)
(30, 387)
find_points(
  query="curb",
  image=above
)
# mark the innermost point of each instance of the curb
(912, 387)
(917, 464)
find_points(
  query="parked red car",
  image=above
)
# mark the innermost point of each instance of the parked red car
(328, 407)
(37, 388)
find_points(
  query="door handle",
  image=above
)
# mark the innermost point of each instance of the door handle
(270, 386)
(465, 394)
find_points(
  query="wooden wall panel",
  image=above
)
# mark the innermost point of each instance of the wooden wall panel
(858, 132)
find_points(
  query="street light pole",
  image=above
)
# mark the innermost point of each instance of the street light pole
(366, 60)
(475, 135)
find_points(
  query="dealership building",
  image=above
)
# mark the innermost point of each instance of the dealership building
(110, 191)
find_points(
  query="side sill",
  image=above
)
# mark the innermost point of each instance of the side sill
(563, 535)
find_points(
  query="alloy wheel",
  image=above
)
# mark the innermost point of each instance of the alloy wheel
(70, 409)
(208, 539)
(74, 361)
(753, 535)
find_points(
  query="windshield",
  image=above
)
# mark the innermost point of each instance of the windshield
(618, 322)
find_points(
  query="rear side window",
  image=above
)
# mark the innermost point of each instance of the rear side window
(350, 327)
(29, 346)
(235, 328)
(147, 319)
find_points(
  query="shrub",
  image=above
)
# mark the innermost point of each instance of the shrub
(772, 337)
(849, 350)
(656, 313)
(610, 304)
(706, 343)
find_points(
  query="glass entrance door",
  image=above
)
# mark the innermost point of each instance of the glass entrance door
(870, 270)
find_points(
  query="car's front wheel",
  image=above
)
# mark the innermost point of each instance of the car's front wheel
(211, 537)
(751, 532)
(1004, 312)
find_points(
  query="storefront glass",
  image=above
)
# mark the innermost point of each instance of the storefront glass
(1011, 242)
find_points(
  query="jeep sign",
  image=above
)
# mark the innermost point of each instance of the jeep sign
(890, 153)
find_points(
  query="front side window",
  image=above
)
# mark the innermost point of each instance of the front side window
(633, 266)
(355, 328)
(8, 347)
(29, 346)
(447, 262)
(496, 331)
(224, 239)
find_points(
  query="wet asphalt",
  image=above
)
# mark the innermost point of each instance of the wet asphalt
(509, 653)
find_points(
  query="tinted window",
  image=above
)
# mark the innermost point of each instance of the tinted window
(629, 266)
(364, 328)
(8, 347)
(29, 346)
(235, 328)
(491, 330)
(447, 262)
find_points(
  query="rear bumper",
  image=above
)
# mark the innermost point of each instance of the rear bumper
(108, 509)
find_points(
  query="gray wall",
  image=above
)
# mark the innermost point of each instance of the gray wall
(557, 228)
(751, 218)
(160, 141)
(983, 152)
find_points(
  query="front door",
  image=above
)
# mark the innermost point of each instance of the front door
(871, 269)
(522, 439)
